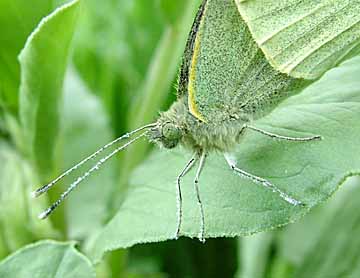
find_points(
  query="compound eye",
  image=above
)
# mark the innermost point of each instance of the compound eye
(171, 132)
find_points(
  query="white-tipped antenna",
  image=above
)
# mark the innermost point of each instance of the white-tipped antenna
(49, 210)
(46, 187)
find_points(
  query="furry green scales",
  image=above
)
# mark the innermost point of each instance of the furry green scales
(225, 83)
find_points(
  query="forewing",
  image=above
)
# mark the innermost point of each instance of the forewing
(229, 77)
(189, 49)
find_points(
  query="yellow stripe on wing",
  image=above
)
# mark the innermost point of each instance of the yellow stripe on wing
(192, 76)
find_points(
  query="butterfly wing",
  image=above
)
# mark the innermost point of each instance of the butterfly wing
(189, 49)
(228, 76)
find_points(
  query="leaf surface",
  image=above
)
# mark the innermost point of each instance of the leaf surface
(16, 24)
(322, 244)
(85, 129)
(19, 224)
(310, 172)
(43, 61)
(336, 251)
(47, 259)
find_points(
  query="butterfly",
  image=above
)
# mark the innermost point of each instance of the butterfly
(225, 84)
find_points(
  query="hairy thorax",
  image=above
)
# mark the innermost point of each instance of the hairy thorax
(179, 126)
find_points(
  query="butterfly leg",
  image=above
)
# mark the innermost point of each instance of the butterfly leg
(232, 163)
(201, 208)
(280, 137)
(187, 168)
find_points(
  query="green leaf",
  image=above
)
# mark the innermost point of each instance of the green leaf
(254, 252)
(170, 9)
(336, 252)
(43, 61)
(47, 259)
(18, 212)
(85, 128)
(100, 62)
(2, 124)
(310, 171)
(17, 19)
(298, 238)
(303, 38)
(321, 244)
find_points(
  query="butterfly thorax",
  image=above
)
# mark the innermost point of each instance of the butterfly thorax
(178, 126)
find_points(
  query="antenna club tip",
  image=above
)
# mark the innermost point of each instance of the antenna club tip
(43, 215)
(34, 194)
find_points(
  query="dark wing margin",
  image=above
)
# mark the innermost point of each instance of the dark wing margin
(188, 53)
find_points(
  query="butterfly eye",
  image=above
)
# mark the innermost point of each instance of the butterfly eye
(171, 132)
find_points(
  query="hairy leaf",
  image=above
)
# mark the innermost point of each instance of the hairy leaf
(47, 259)
(303, 38)
(17, 19)
(43, 61)
(310, 171)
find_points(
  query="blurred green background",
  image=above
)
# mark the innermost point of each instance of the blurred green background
(120, 72)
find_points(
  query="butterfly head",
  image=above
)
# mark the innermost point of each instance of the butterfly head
(166, 134)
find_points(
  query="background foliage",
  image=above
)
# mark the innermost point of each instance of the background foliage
(92, 70)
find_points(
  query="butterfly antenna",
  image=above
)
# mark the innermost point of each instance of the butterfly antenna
(46, 187)
(97, 166)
